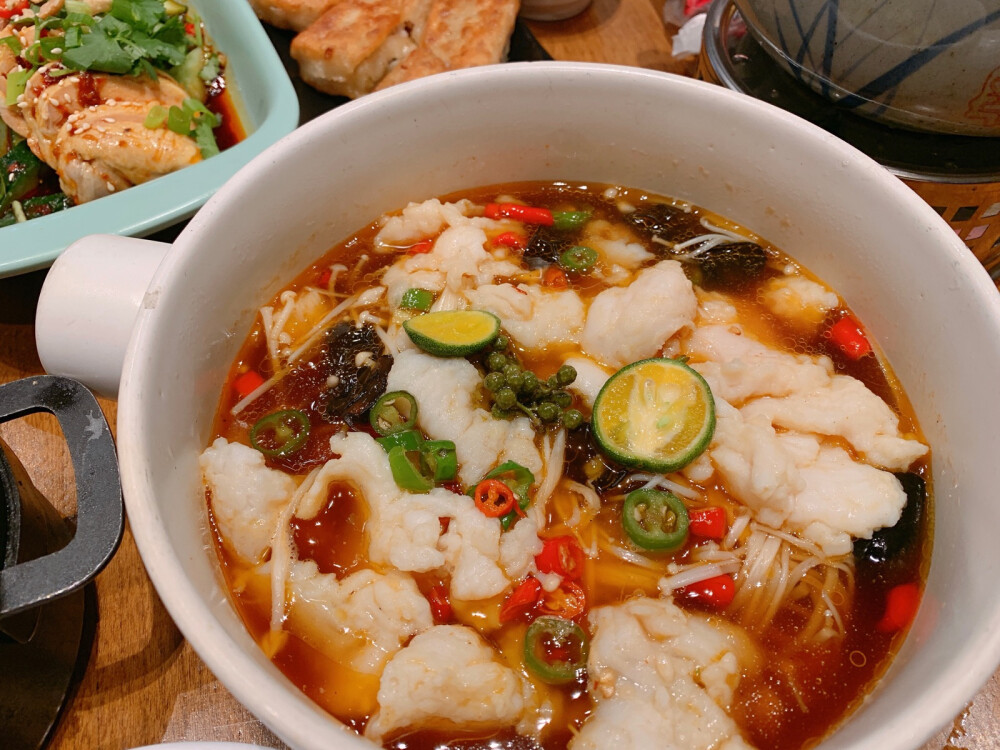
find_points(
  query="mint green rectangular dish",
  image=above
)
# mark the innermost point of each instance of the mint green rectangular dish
(262, 94)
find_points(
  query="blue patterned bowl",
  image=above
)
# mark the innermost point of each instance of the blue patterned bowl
(922, 64)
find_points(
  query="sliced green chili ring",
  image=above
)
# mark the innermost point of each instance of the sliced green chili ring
(519, 479)
(411, 440)
(409, 470)
(566, 221)
(551, 634)
(394, 412)
(655, 520)
(280, 433)
(156, 117)
(578, 259)
(416, 299)
(441, 459)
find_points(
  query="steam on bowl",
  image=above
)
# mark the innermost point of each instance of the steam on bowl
(923, 296)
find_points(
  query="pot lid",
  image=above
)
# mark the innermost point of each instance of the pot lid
(736, 59)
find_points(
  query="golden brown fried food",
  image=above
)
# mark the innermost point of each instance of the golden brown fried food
(291, 14)
(459, 34)
(351, 47)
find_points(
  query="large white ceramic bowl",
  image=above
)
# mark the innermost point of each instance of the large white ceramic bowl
(929, 305)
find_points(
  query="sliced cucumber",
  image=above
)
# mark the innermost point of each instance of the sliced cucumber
(39, 206)
(453, 333)
(656, 414)
(20, 172)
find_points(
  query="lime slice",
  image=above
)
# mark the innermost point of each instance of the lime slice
(656, 414)
(453, 333)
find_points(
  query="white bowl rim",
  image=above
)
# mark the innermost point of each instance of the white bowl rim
(192, 615)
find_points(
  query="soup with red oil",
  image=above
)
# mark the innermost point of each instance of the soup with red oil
(550, 465)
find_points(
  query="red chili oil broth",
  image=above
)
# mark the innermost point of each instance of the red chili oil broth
(220, 102)
(801, 694)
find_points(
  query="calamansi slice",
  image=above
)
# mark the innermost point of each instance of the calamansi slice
(656, 414)
(453, 333)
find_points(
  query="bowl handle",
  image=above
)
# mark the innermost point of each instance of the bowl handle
(100, 518)
(88, 306)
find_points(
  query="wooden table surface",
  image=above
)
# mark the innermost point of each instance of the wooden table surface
(143, 684)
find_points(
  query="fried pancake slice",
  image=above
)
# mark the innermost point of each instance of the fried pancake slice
(349, 49)
(459, 34)
(291, 14)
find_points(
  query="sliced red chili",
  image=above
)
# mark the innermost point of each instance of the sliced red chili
(691, 6)
(709, 523)
(715, 593)
(527, 214)
(440, 604)
(847, 336)
(11, 8)
(562, 555)
(424, 246)
(901, 605)
(568, 601)
(324, 278)
(555, 278)
(494, 498)
(247, 383)
(514, 240)
(521, 600)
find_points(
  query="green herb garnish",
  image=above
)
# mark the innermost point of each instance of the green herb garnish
(192, 119)
(135, 37)
(212, 69)
(13, 43)
(16, 82)
(128, 40)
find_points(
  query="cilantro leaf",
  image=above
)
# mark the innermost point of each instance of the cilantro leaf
(141, 14)
(112, 45)
(211, 70)
(98, 51)
(159, 51)
(194, 120)
(205, 138)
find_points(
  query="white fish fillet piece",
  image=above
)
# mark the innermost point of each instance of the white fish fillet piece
(626, 324)
(536, 318)
(360, 621)
(661, 679)
(457, 262)
(448, 672)
(247, 497)
(405, 529)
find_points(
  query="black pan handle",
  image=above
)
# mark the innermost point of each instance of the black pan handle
(100, 512)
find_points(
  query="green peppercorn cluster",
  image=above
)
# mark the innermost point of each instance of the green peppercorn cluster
(515, 390)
